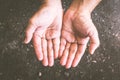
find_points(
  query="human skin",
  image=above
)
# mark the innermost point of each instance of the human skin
(45, 28)
(77, 30)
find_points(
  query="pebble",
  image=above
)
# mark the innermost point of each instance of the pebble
(11, 10)
(103, 20)
(40, 74)
(94, 61)
(18, 79)
(13, 44)
(1, 74)
(67, 74)
(0, 23)
(101, 70)
(28, 49)
(96, 14)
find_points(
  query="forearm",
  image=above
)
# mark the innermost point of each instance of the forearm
(53, 2)
(88, 5)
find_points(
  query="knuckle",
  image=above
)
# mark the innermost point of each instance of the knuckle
(93, 32)
(57, 43)
(72, 51)
(31, 20)
(50, 56)
(62, 43)
(70, 58)
(36, 45)
(50, 47)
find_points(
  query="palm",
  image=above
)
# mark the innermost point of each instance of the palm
(45, 28)
(76, 32)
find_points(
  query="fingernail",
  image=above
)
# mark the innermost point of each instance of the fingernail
(25, 41)
(68, 67)
(74, 65)
(40, 58)
(45, 65)
(62, 63)
(45, 62)
(51, 64)
(92, 52)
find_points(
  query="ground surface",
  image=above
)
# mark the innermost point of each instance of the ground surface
(18, 61)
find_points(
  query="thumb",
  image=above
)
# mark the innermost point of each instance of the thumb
(94, 42)
(29, 32)
(94, 39)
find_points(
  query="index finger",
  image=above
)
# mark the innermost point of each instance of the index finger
(37, 46)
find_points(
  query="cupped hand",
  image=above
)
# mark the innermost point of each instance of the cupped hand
(77, 30)
(45, 29)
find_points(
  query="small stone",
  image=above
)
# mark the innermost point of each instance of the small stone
(0, 23)
(113, 70)
(67, 74)
(95, 14)
(40, 74)
(117, 34)
(103, 60)
(17, 23)
(1, 74)
(60, 71)
(23, 15)
(102, 35)
(18, 79)
(109, 57)
(113, 34)
(28, 63)
(101, 70)
(94, 61)
(103, 78)
(103, 20)
(31, 45)
(28, 49)
(57, 74)
(11, 10)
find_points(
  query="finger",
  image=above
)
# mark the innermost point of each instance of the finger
(50, 53)
(62, 46)
(44, 50)
(29, 32)
(79, 54)
(73, 49)
(56, 43)
(37, 47)
(94, 42)
(65, 55)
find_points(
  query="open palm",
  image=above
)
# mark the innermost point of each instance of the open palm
(45, 29)
(77, 30)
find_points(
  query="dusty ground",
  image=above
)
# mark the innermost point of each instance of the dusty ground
(18, 61)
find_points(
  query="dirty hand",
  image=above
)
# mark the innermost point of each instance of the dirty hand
(45, 29)
(77, 30)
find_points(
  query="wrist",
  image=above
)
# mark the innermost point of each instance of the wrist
(74, 5)
(55, 3)
(84, 13)
(88, 5)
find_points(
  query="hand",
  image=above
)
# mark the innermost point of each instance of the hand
(45, 29)
(77, 30)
